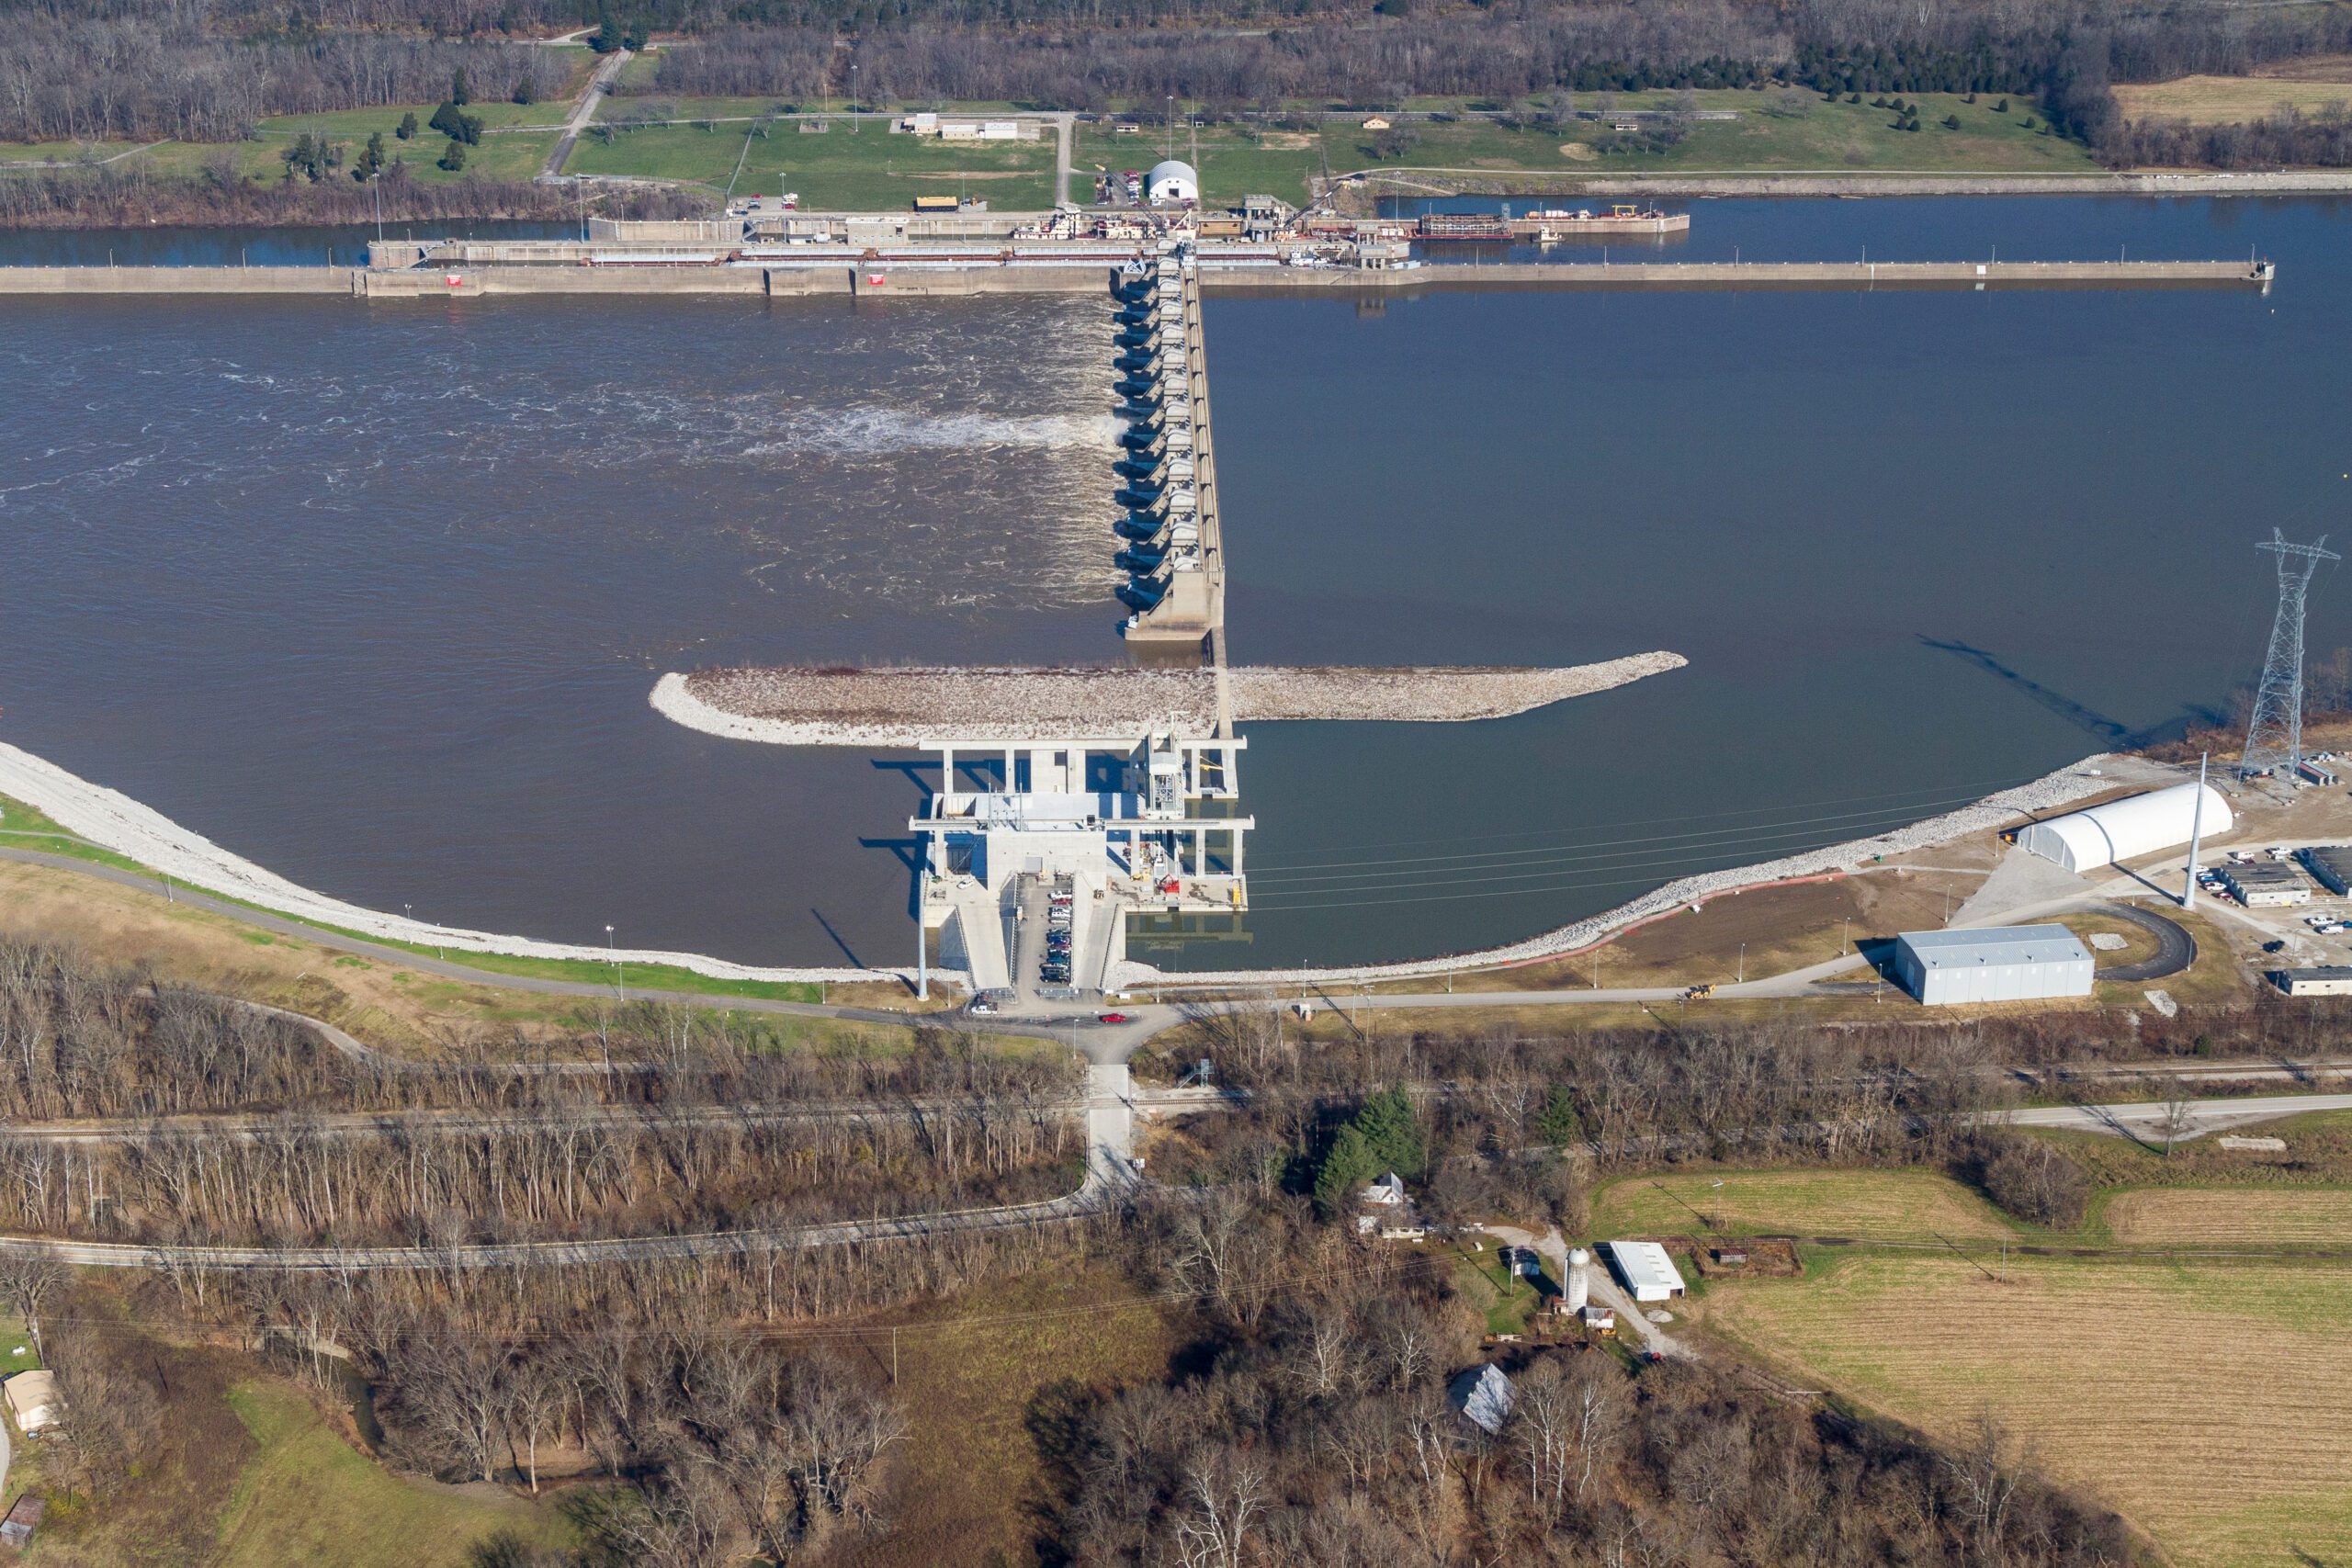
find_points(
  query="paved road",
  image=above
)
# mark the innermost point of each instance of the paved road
(2143, 1120)
(2176, 949)
(600, 81)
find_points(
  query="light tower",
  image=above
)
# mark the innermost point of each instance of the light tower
(2274, 737)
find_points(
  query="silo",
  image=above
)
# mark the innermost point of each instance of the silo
(1580, 1284)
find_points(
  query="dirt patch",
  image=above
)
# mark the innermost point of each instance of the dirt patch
(1578, 151)
(1286, 141)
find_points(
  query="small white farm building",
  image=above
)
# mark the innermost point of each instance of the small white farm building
(1172, 181)
(1993, 964)
(1644, 1268)
(2124, 829)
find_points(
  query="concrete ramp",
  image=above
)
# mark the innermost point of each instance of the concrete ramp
(982, 926)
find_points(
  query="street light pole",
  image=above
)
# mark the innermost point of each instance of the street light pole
(620, 982)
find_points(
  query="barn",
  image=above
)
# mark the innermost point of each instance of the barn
(1992, 963)
(2124, 830)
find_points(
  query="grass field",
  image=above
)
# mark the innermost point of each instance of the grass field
(2229, 100)
(514, 154)
(983, 1379)
(381, 1002)
(2203, 1402)
(23, 826)
(2310, 1216)
(1882, 1205)
(1831, 137)
(307, 1496)
(1505, 1300)
(869, 169)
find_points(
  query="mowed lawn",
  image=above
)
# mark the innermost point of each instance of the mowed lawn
(307, 1496)
(2228, 100)
(1875, 1205)
(2204, 1402)
(1824, 137)
(516, 142)
(869, 169)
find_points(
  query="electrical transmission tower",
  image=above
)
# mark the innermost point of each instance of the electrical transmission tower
(2274, 740)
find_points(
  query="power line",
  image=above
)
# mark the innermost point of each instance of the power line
(1976, 790)
(1747, 833)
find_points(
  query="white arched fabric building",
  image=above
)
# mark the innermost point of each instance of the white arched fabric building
(1171, 181)
(2124, 829)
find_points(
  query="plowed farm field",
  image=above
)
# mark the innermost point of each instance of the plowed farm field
(2201, 1401)
(2320, 1217)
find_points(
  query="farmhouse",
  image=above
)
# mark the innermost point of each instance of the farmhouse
(1389, 1192)
(1645, 1270)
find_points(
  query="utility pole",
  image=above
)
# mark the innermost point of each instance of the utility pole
(2196, 834)
(2274, 736)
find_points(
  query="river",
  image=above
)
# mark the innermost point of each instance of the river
(374, 595)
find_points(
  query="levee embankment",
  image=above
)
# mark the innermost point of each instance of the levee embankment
(884, 281)
(113, 820)
(2281, 182)
(179, 280)
(903, 706)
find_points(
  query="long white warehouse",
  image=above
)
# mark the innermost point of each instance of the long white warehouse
(2124, 829)
(1993, 964)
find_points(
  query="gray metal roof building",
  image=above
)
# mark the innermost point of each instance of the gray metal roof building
(2327, 981)
(2265, 885)
(2332, 863)
(1993, 964)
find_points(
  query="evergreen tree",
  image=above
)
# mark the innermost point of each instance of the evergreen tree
(1347, 1167)
(457, 94)
(455, 158)
(407, 127)
(1557, 1124)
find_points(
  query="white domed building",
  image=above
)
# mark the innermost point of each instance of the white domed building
(1173, 182)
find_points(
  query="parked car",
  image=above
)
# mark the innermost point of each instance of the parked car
(980, 1006)
(2274, 947)
(1112, 1018)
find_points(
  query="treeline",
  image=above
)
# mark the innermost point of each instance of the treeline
(75, 78)
(125, 195)
(80, 1038)
(1320, 1434)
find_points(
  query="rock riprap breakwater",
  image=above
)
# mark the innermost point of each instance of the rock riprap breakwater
(842, 707)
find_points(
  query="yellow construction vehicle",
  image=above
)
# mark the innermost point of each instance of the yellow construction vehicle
(1698, 993)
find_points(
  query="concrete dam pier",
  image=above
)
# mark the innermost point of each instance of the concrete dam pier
(883, 277)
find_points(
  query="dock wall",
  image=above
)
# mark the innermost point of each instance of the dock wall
(883, 281)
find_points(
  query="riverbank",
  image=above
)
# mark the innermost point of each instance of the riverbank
(902, 707)
(1821, 183)
(2093, 775)
(114, 821)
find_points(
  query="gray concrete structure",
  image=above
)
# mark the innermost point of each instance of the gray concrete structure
(2266, 884)
(1996, 963)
